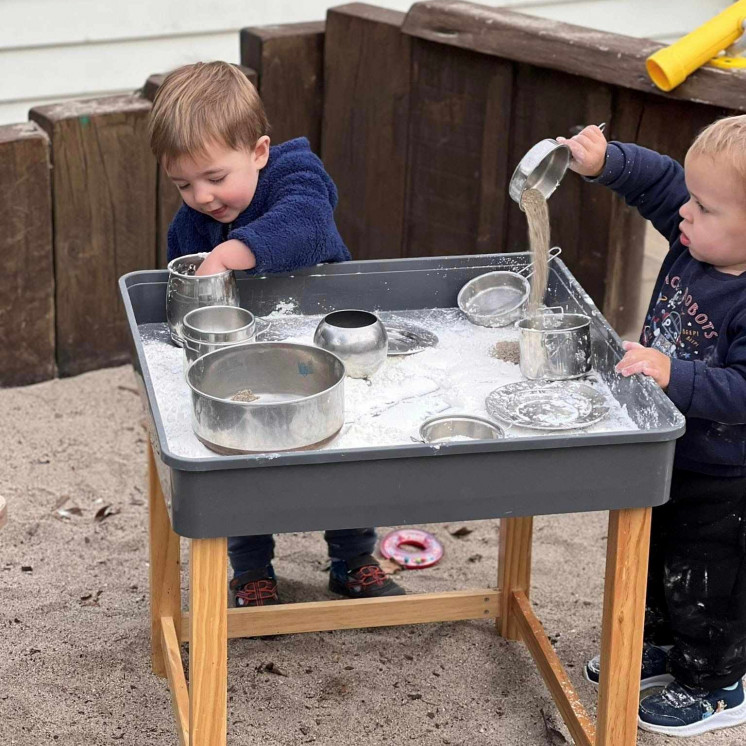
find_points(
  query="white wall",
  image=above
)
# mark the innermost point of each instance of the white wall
(52, 50)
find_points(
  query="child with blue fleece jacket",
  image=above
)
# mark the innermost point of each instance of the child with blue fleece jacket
(263, 209)
(693, 345)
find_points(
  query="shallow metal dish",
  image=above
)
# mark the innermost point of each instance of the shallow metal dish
(299, 390)
(452, 428)
(542, 168)
(406, 338)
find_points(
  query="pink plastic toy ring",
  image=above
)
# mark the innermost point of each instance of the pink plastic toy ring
(396, 546)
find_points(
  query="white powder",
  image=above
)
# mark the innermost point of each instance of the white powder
(455, 376)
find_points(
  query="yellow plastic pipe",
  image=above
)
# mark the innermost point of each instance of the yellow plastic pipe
(670, 66)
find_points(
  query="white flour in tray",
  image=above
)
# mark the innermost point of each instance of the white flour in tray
(455, 376)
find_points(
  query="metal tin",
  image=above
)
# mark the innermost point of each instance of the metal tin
(299, 389)
(214, 328)
(358, 338)
(185, 291)
(555, 347)
(542, 168)
(451, 428)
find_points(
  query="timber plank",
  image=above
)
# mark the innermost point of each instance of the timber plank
(364, 137)
(289, 60)
(613, 59)
(26, 257)
(457, 166)
(104, 221)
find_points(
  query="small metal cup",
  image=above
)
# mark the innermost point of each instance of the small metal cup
(186, 291)
(555, 347)
(357, 338)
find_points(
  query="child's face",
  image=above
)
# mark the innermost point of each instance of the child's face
(221, 182)
(714, 219)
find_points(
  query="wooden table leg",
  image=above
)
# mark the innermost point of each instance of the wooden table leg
(208, 642)
(623, 619)
(513, 569)
(165, 566)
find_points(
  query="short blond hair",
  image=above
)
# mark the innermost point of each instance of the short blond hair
(724, 137)
(205, 103)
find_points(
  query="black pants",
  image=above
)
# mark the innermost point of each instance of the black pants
(696, 596)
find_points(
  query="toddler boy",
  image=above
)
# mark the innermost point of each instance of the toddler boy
(693, 345)
(263, 209)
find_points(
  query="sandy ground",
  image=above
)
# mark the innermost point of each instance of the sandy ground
(74, 624)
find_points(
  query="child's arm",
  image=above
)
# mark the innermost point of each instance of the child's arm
(298, 229)
(651, 182)
(698, 389)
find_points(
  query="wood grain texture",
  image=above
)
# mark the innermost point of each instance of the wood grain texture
(622, 626)
(364, 137)
(176, 679)
(609, 58)
(165, 568)
(289, 61)
(27, 336)
(319, 616)
(513, 569)
(104, 222)
(208, 642)
(580, 725)
(458, 155)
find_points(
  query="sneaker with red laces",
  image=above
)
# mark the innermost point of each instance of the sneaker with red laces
(255, 588)
(361, 577)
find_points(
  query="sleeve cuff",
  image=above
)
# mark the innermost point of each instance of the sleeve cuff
(681, 385)
(615, 162)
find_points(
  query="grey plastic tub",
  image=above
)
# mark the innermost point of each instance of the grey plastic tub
(417, 483)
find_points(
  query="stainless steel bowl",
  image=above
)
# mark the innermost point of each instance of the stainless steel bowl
(215, 327)
(299, 404)
(358, 338)
(555, 347)
(542, 168)
(186, 291)
(495, 298)
(452, 428)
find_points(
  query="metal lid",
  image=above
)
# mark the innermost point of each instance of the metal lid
(542, 168)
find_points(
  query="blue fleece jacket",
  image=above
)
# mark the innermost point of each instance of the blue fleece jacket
(697, 316)
(289, 223)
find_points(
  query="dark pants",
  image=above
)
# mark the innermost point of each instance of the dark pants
(255, 552)
(696, 595)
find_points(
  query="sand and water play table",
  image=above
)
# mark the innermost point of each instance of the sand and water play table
(622, 465)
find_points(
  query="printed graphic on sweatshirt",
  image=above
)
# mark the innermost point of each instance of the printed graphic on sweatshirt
(678, 326)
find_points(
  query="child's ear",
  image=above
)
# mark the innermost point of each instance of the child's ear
(261, 152)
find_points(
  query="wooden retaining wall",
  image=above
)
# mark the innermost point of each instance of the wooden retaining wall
(420, 119)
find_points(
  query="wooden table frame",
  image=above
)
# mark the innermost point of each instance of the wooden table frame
(200, 707)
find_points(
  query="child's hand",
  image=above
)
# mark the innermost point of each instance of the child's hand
(231, 254)
(588, 150)
(639, 359)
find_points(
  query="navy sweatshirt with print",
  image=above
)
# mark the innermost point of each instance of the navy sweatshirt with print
(289, 223)
(697, 316)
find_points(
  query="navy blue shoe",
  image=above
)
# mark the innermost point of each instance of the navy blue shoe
(361, 577)
(680, 710)
(654, 667)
